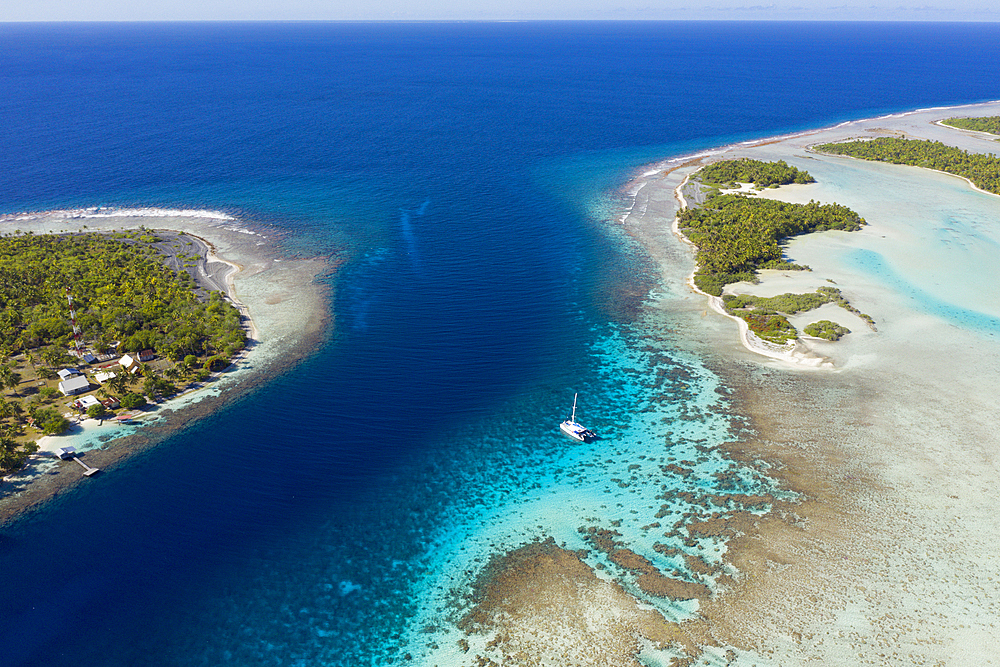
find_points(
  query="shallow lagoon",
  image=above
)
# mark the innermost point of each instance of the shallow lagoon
(936, 234)
(297, 526)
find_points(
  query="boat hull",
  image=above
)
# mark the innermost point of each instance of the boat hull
(577, 431)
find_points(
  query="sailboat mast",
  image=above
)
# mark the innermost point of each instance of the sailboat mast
(573, 418)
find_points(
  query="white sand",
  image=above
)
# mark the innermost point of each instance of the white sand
(288, 311)
(895, 561)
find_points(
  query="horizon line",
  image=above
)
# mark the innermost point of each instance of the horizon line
(498, 20)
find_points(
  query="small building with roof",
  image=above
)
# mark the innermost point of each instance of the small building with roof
(88, 401)
(76, 384)
(104, 376)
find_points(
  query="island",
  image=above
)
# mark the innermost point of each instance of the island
(120, 326)
(737, 234)
(982, 170)
(880, 548)
(90, 315)
(988, 124)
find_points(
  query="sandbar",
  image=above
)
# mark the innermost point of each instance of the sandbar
(889, 438)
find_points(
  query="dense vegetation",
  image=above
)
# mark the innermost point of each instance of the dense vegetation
(826, 329)
(989, 124)
(121, 292)
(736, 235)
(126, 300)
(767, 316)
(789, 304)
(982, 169)
(745, 170)
(14, 454)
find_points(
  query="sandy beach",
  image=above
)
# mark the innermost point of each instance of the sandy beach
(889, 437)
(287, 313)
(888, 559)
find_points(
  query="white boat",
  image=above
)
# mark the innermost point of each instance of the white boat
(574, 430)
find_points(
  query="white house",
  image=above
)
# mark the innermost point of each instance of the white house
(88, 401)
(104, 376)
(128, 363)
(74, 385)
(67, 373)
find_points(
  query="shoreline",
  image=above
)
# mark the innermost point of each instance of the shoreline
(792, 353)
(886, 555)
(286, 312)
(878, 452)
(803, 353)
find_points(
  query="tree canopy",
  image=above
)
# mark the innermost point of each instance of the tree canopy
(121, 292)
(989, 124)
(982, 169)
(737, 235)
(745, 170)
(124, 297)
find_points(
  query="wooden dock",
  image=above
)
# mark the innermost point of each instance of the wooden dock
(66, 453)
(87, 470)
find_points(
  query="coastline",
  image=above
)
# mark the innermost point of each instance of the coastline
(885, 453)
(285, 308)
(793, 353)
(886, 556)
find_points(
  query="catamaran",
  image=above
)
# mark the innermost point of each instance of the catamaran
(574, 430)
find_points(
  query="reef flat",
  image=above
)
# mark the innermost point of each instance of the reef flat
(287, 313)
(888, 439)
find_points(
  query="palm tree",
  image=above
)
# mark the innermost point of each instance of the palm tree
(29, 355)
(120, 382)
(9, 378)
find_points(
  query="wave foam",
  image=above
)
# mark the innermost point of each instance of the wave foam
(114, 212)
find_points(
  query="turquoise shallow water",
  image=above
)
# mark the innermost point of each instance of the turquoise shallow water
(468, 175)
(873, 265)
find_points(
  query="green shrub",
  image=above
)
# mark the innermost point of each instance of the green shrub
(132, 400)
(97, 411)
(55, 425)
(826, 329)
(769, 326)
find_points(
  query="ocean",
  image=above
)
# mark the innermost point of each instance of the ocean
(470, 176)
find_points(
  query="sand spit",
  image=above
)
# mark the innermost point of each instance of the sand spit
(888, 558)
(793, 352)
(287, 306)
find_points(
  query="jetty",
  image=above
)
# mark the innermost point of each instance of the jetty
(66, 453)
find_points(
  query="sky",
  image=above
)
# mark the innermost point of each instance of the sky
(351, 10)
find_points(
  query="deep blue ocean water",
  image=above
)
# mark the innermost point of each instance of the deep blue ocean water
(468, 172)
